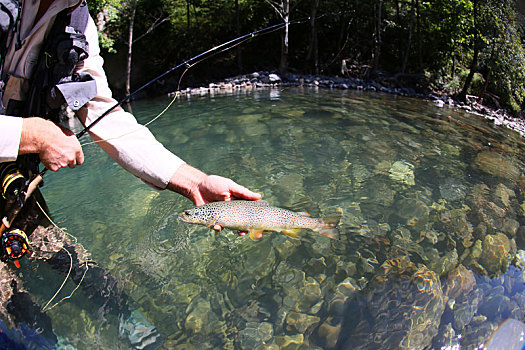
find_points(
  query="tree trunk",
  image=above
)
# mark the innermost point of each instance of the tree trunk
(313, 51)
(283, 10)
(474, 64)
(188, 27)
(377, 41)
(489, 73)
(130, 51)
(418, 33)
(473, 67)
(284, 52)
(410, 31)
(238, 24)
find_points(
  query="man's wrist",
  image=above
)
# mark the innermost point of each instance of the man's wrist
(186, 181)
(33, 129)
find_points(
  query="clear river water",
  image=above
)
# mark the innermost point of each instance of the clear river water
(432, 229)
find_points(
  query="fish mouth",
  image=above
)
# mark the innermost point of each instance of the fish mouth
(181, 217)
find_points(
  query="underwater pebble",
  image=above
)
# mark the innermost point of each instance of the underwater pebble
(498, 165)
(402, 172)
(495, 254)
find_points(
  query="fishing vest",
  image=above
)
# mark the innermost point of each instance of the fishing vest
(54, 84)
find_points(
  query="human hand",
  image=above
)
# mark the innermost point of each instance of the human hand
(57, 147)
(217, 188)
(201, 188)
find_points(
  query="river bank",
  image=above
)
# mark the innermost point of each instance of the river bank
(262, 79)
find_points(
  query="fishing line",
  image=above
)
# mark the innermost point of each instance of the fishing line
(200, 57)
(46, 308)
(187, 63)
(234, 43)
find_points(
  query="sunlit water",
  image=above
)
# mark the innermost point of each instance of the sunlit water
(432, 213)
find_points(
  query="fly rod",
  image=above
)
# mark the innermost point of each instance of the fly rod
(188, 63)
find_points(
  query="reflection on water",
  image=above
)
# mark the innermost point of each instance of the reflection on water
(430, 256)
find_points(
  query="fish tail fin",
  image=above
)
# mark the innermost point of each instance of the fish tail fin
(328, 227)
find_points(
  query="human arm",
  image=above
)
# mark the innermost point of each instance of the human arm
(136, 149)
(57, 147)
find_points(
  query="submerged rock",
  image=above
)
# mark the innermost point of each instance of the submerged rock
(255, 334)
(406, 303)
(403, 173)
(459, 281)
(465, 308)
(498, 165)
(201, 319)
(503, 196)
(445, 263)
(299, 322)
(413, 211)
(328, 333)
(495, 256)
(447, 339)
(290, 342)
(484, 211)
(456, 222)
(452, 189)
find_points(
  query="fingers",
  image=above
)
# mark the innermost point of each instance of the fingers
(198, 200)
(217, 227)
(240, 192)
(63, 150)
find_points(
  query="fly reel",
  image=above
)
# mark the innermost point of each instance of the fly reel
(15, 245)
(11, 180)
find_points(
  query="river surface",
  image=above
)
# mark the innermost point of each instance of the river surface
(431, 203)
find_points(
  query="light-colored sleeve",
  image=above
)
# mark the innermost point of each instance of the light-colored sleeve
(11, 131)
(130, 144)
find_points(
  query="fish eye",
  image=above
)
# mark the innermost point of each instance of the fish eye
(187, 212)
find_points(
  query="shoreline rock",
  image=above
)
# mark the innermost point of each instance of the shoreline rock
(265, 80)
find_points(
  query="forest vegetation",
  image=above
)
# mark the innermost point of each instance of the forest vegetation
(456, 47)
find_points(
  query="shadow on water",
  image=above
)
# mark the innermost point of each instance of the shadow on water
(432, 227)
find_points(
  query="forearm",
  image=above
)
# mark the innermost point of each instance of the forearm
(33, 132)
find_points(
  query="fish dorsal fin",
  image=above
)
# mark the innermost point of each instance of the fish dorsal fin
(262, 202)
(303, 213)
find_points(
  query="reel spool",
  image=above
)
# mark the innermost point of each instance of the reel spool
(15, 245)
(11, 180)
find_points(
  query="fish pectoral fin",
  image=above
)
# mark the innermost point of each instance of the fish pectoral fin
(292, 232)
(255, 234)
(211, 223)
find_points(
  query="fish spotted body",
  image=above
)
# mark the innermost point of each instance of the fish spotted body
(256, 217)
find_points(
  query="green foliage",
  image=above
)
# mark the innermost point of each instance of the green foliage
(443, 37)
(105, 12)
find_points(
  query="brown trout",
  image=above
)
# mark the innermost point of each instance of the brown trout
(257, 217)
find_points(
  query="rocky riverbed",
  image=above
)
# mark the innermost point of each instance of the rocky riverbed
(433, 227)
